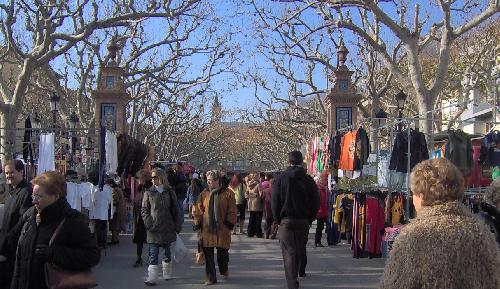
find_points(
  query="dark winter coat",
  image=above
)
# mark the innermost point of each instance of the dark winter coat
(295, 195)
(362, 150)
(73, 249)
(459, 150)
(160, 214)
(17, 203)
(178, 181)
(418, 149)
(139, 227)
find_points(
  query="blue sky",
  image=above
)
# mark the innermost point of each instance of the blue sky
(238, 15)
(239, 96)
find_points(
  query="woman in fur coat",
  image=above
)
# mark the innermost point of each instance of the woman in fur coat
(445, 247)
(254, 195)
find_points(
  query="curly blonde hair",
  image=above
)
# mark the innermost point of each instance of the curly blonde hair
(437, 181)
(492, 195)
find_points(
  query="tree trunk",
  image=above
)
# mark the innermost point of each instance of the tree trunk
(8, 118)
(425, 106)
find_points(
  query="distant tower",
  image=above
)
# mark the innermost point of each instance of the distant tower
(216, 110)
(342, 101)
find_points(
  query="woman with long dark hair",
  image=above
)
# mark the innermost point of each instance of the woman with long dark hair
(139, 230)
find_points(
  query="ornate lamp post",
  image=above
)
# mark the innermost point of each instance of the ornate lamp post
(54, 107)
(400, 101)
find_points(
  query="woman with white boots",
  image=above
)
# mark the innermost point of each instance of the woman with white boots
(160, 214)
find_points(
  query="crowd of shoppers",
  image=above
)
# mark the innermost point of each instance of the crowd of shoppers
(438, 249)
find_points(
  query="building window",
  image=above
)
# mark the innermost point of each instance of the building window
(110, 81)
(344, 117)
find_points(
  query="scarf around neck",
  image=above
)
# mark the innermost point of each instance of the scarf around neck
(213, 205)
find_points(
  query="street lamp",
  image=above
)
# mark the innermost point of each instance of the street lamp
(54, 107)
(400, 101)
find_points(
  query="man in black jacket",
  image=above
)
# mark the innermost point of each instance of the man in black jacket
(295, 202)
(17, 203)
(178, 181)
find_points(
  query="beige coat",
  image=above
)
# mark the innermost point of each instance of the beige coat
(445, 247)
(254, 195)
(227, 214)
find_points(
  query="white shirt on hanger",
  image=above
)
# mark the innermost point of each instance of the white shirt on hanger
(85, 190)
(73, 196)
(46, 159)
(111, 153)
(102, 200)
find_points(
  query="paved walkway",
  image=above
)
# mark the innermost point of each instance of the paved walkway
(254, 263)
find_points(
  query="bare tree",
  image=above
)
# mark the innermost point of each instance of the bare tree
(411, 36)
(51, 28)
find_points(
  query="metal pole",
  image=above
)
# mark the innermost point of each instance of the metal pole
(54, 119)
(408, 166)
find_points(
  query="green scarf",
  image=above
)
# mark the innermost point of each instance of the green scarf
(213, 205)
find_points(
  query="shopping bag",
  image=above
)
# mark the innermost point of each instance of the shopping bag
(179, 251)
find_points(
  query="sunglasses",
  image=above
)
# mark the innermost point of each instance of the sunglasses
(154, 177)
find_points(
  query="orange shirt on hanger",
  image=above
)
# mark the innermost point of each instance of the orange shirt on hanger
(348, 149)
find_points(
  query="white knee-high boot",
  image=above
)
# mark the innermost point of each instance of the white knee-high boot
(153, 272)
(167, 270)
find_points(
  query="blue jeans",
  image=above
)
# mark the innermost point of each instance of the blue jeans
(154, 251)
(181, 211)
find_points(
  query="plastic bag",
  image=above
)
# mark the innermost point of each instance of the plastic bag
(179, 250)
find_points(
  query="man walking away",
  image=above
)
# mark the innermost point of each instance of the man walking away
(17, 203)
(295, 203)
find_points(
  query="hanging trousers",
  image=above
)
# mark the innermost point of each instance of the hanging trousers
(293, 235)
(222, 262)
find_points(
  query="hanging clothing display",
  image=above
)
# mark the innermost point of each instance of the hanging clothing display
(362, 149)
(334, 147)
(73, 196)
(459, 150)
(332, 229)
(111, 153)
(348, 148)
(101, 207)
(85, 190)
(317, 154)
(46, 159)
(368, 224)
(375, 217)
(102, 156)
(490, 149)
(132, 155)
(383, 171)
(418, 150)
